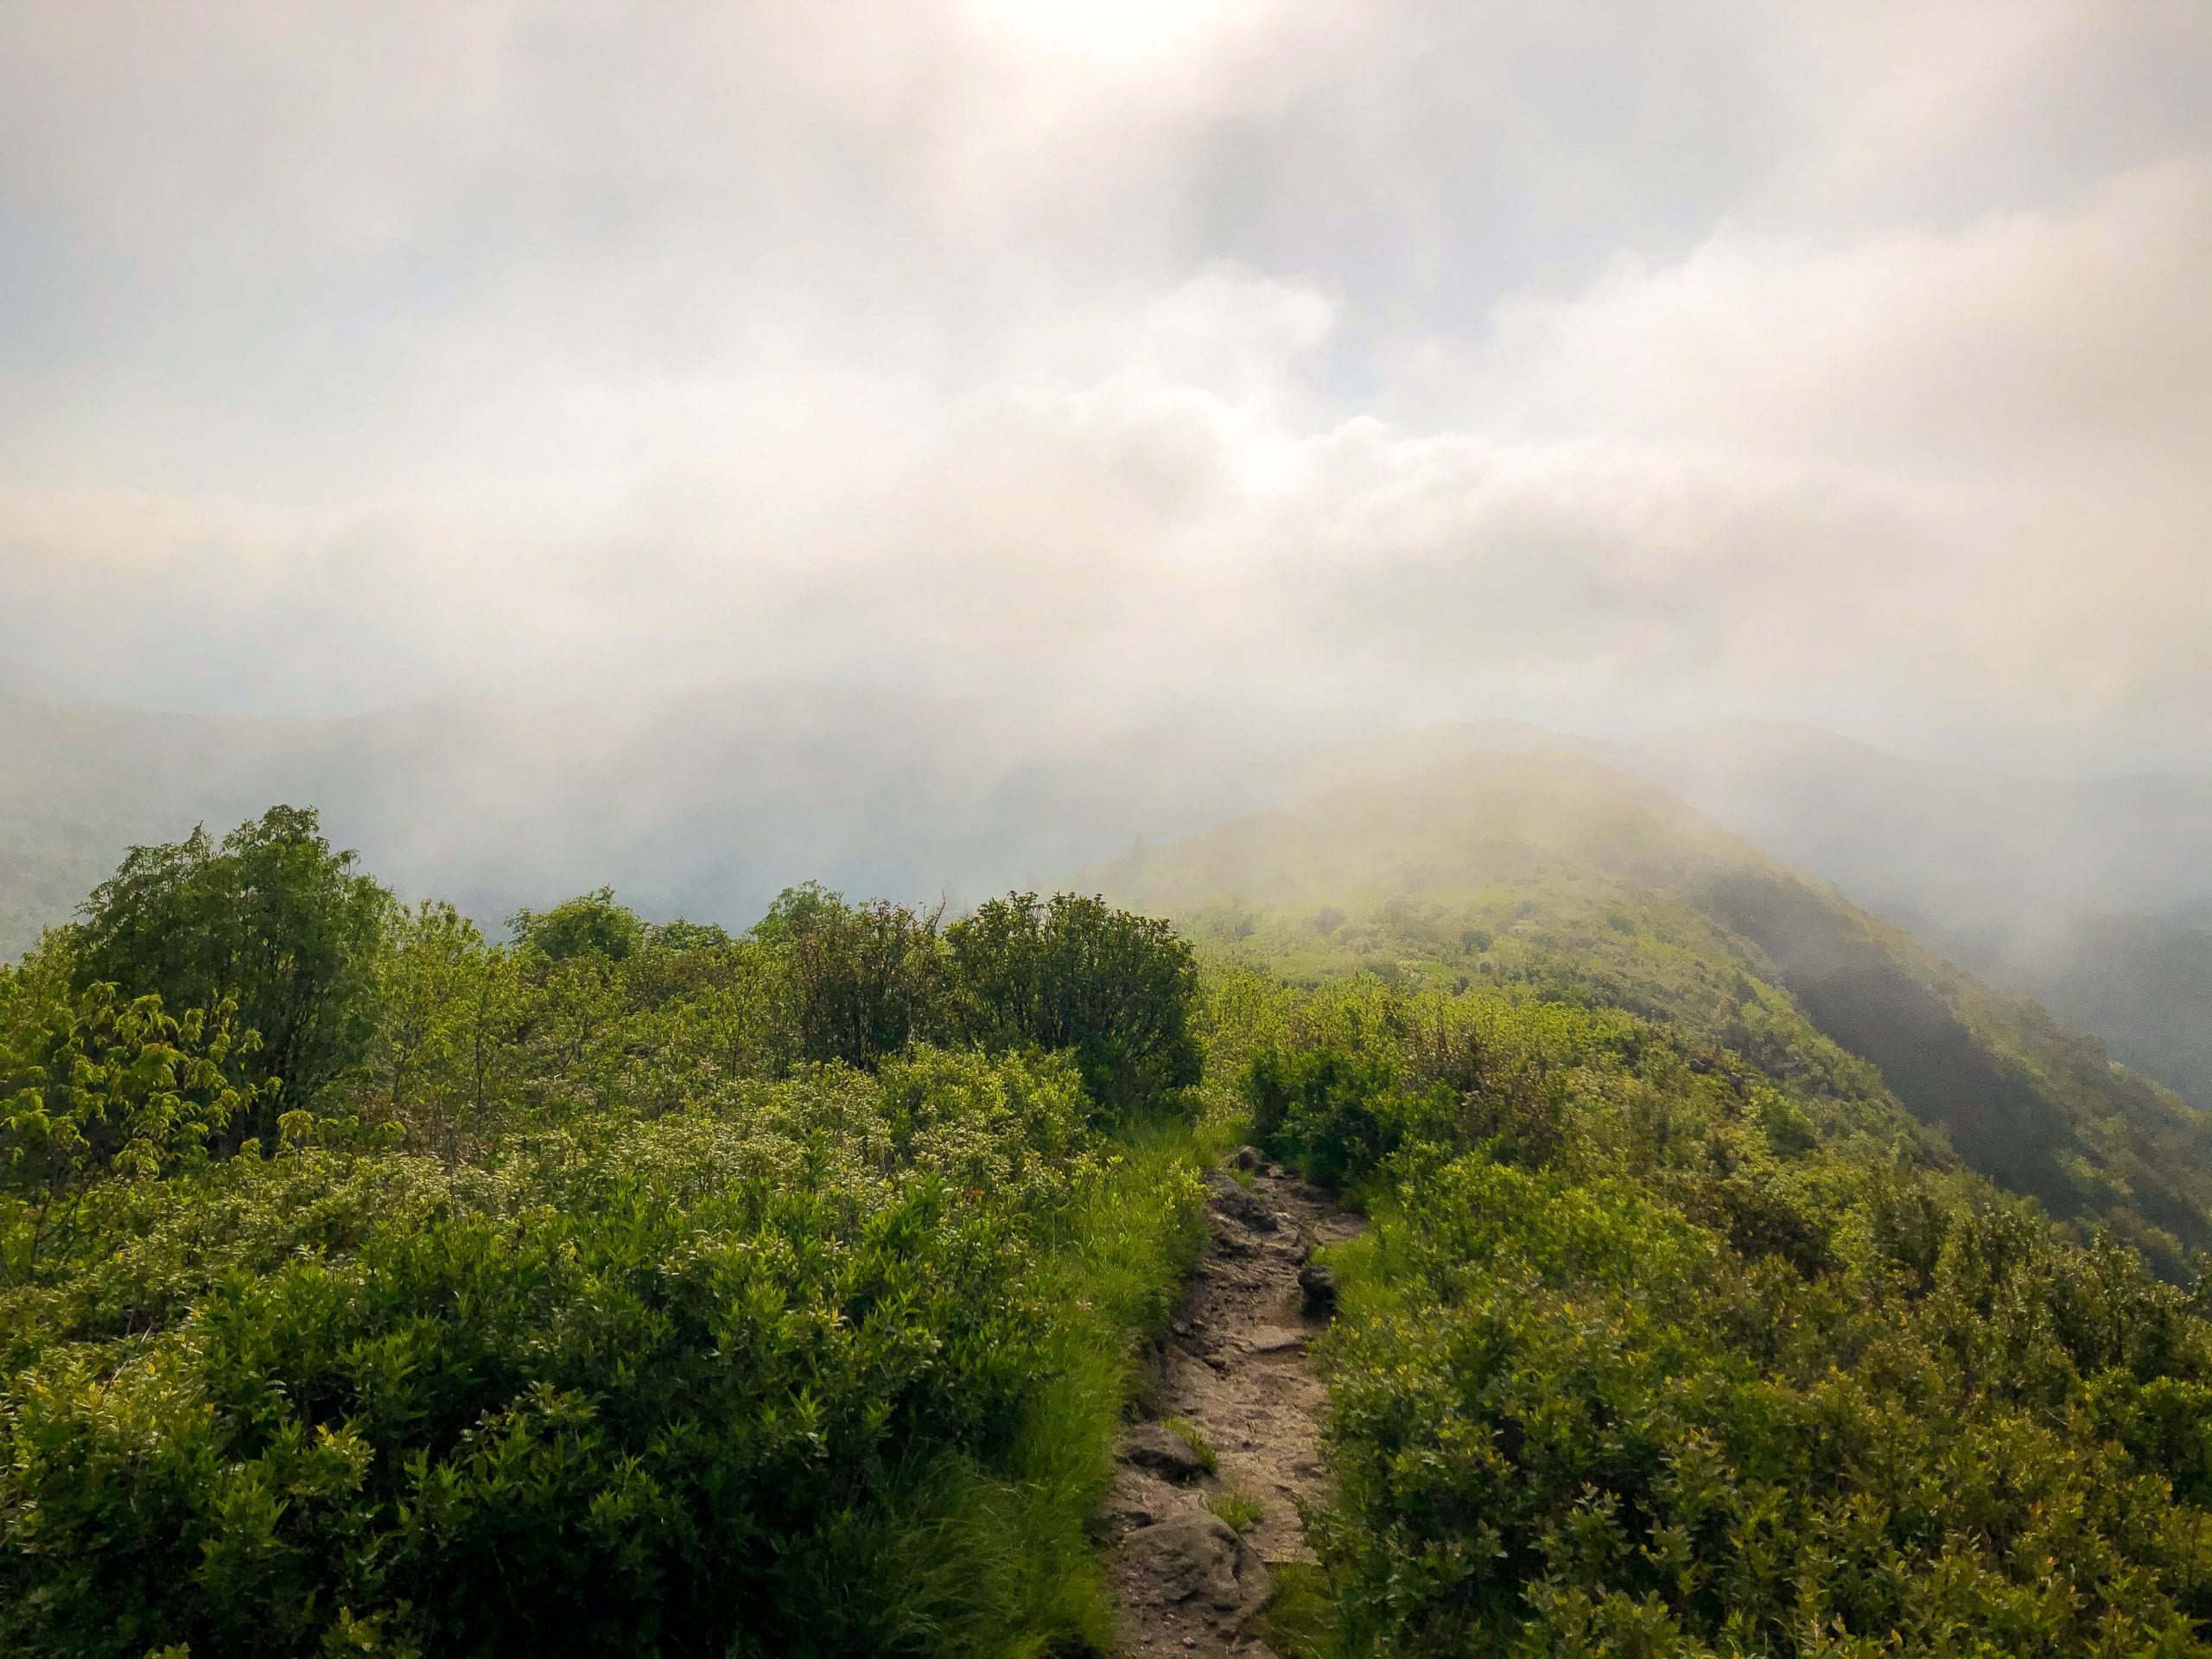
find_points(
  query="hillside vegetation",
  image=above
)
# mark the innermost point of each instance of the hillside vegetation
(2088, 895)
(1564, 877)
(367, 1286)
(1740, 1279)
(2092, 895)
(1674, 1332)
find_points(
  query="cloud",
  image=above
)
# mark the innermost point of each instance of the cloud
(1430, 359)
(2022, 338)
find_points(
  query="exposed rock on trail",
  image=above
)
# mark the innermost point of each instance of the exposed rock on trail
(1235, 1383)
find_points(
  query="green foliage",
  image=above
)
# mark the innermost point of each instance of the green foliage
(633, 1383)
(1074, 973)
(607, 1303)
(1333, 1112)
(1300, 1621)
(864, 980)
(1556, 878)
(1650, 1349)
(1582, 1415)
(93, 1086)
(272, 921)
(441, 1059)
(592, 924)
(685, 1344)
(1675, 1332)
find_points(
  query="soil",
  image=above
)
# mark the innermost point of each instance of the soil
(1234, 1368)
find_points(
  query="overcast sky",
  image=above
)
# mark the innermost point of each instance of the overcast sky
(1610, 364)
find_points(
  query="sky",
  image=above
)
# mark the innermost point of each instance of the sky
(1608, 365)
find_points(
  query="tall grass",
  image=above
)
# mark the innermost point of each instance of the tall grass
(974, 1562)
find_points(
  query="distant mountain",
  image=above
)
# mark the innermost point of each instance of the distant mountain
(1564, 873)
(2094, 896)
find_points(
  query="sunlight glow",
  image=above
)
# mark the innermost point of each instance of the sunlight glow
(1116, 34)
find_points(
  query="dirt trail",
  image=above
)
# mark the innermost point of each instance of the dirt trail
(1235, 1369)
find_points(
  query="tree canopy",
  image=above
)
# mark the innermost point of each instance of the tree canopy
(272, 921)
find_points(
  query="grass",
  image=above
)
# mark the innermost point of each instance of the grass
(1194, 1437)
(1001, 1564)
(1300, 1621)
(1240, 1509)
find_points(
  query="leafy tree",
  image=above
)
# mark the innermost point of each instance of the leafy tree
(93, 1085)
(442, 1060)
(590, 924)
(1114, 989)
(680, 935)
(865, 981)
(272, 921)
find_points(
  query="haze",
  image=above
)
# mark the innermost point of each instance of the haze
(1837, 363)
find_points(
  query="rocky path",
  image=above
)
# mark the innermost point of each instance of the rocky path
(1235, 1390)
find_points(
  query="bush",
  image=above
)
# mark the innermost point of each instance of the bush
(629, 1391)
(273, 923)
(1334, 1113)
(1113, 988)
(1641, 1355)
(628, 1289)
(1574, 1420)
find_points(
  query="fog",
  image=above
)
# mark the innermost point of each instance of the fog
(1393, 363)
(932, 446)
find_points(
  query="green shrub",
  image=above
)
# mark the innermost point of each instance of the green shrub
(1335, 1114)
(1648, 1353)
(1113, 988)
(629, 1289)
(634, 1383)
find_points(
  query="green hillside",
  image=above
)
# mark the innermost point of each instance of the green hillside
(2089, 894)
(1674, 1332)
(1554, 873)
(371, 1284)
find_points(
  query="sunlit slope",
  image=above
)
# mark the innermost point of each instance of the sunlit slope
(1556, 871)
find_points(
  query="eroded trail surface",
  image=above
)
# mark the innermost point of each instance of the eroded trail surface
(1235, 1371)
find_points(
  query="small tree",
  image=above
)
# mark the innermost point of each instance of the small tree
(862, 983)
(273, 922)
(591, 924)
(447, 1017)
(1075, 973)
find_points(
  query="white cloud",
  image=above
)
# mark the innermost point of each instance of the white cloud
(2021, 338)
(932, 344)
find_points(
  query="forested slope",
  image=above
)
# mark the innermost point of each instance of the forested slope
(2091, 894)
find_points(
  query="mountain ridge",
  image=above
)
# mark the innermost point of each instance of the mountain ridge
(1549, 868)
